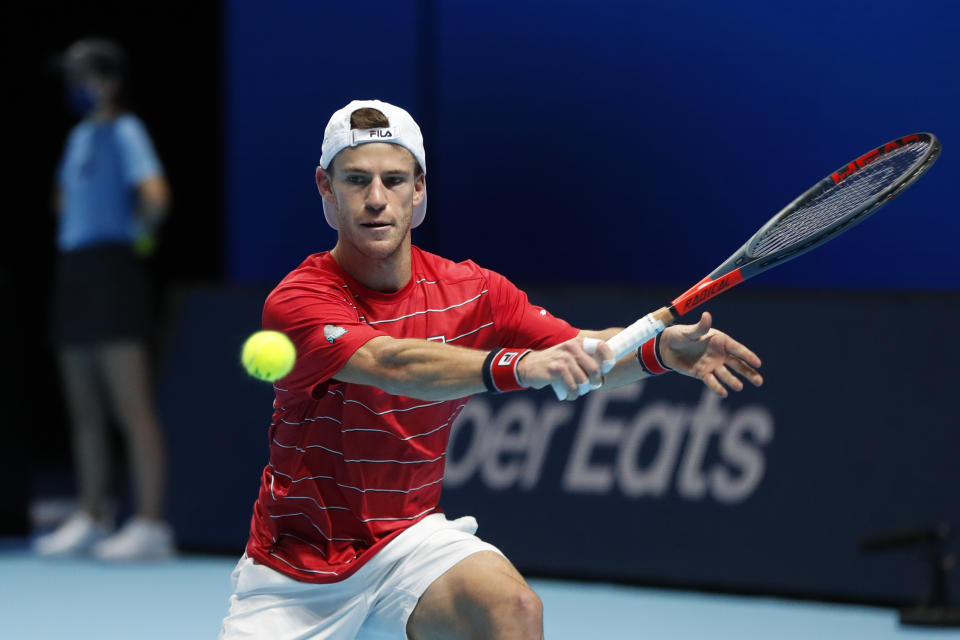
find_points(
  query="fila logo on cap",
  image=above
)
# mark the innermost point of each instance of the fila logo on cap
(367, 135)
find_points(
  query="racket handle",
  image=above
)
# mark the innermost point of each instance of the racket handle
(636, 334)
(561, 391)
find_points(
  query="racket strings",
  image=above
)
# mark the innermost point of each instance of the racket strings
(825, 209)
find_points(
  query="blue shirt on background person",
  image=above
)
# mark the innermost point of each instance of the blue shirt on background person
(103, 163)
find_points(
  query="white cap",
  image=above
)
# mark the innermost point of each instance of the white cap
(403, 130)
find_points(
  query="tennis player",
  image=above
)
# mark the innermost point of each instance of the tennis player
(346, 538)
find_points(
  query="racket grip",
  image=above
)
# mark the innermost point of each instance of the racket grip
(635, 335)
(561, 392)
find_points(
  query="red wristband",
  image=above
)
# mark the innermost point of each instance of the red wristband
(500, 369)
(649, 356)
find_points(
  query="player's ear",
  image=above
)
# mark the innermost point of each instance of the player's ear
(323, 184)
(419, 189)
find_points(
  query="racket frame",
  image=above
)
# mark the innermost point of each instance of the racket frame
(741, 266)
(720, 279)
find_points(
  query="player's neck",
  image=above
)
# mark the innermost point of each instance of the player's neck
(387, 274)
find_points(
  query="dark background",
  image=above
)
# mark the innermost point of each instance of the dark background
(621, 146)
(175, 87)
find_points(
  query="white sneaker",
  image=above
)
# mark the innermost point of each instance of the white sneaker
(138, 539)
(75, 536)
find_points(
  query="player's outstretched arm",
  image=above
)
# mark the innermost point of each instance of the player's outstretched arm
(437, 371)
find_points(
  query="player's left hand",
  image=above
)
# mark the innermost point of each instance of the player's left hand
(710, 355)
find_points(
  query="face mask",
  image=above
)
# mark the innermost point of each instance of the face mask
(81, 99)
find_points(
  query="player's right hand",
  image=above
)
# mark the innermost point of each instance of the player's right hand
(567, 367)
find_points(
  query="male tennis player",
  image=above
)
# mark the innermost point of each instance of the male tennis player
(346, 538)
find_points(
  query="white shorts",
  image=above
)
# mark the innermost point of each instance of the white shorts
(373, 603)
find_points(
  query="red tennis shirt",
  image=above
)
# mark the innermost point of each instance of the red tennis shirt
(352, 466)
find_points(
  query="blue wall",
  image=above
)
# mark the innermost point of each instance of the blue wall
(630, 142)
(289, 66)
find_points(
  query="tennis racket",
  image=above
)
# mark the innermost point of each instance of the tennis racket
(836, 204)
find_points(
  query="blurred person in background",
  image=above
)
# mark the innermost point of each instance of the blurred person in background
(110, 197)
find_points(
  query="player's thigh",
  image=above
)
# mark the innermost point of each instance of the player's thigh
(482, 596)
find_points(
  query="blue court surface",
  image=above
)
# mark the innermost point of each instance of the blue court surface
(187, 597)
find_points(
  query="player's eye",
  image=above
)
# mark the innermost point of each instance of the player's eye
(356, 179)
(393, 181)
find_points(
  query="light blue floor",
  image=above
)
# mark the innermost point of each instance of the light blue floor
(186, 599)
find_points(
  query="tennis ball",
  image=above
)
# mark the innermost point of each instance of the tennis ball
(268, 355)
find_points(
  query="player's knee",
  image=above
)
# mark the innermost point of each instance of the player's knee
(529, 608)
(519, 613)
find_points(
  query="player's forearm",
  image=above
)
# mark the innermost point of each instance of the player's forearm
(628, 370)
(417, 368)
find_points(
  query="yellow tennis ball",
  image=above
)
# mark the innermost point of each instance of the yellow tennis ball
(268, 355)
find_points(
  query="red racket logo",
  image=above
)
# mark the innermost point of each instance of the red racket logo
(869, 157)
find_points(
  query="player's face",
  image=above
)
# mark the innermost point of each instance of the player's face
(375, 189)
